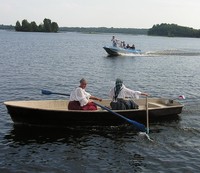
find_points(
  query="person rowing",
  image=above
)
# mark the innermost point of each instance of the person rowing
(80, 99)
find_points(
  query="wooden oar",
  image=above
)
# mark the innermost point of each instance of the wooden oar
(46, 92)
(147, 114)
(139, 126)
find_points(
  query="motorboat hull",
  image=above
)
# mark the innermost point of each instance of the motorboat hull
(116, 51)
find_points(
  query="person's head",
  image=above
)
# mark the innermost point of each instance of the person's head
(83, 83)
(118, 83)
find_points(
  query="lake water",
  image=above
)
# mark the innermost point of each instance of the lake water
(168, 67)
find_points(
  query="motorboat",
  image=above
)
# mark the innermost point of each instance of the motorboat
(116, 51)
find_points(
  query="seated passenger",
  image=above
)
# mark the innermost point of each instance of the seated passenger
(80, 99)
(128, 46)
(133, 46)
(124, 44)
(121, 44)
(119, 94)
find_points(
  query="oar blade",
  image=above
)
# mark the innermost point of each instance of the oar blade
(137, 125)
(46, 92)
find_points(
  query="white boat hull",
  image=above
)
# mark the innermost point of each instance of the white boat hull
(115, 51)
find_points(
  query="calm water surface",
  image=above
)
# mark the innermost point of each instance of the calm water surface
(168, 67)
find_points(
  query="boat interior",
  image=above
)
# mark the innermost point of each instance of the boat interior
(62, 105)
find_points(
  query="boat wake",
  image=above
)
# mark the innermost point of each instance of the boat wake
(134, 54)
(170, 52)
(174, 52)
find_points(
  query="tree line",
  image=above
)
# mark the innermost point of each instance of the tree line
(173, 30)
(46, 26)
(91, 30)
(163, 29)
(7, 27)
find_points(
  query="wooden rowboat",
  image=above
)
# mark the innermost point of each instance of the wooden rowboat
(55, 113)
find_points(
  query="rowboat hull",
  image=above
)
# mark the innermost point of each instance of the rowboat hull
(116, 51)
(55, 113)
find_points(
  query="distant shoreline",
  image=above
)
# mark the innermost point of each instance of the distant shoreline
(165, 30)
(92, 30)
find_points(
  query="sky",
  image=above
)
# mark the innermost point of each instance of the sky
(102, 13)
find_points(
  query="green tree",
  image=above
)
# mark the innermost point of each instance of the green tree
(34, 27)
(18, 26)
(54, 27)
(40, 28)
(173, 30)
(26, 25)
(47, 25)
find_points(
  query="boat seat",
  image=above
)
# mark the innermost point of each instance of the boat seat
(150, 104)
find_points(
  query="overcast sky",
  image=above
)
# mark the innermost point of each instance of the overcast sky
(103, 13)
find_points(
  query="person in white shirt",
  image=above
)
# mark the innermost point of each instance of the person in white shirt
(80, 99)
(114, 40)
(119, 94)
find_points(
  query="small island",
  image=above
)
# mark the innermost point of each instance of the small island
(173, 30)
(47, 26)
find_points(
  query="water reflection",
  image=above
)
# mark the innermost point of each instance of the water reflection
(29, 134)
(111, 148)
(23, 135)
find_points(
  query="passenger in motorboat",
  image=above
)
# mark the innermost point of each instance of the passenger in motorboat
(119, 94)
(133, 47)
(80, 99)
(114, 40)
(128, 46)
(121, 44)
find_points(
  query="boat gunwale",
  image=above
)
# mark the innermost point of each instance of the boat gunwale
(143, 108)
